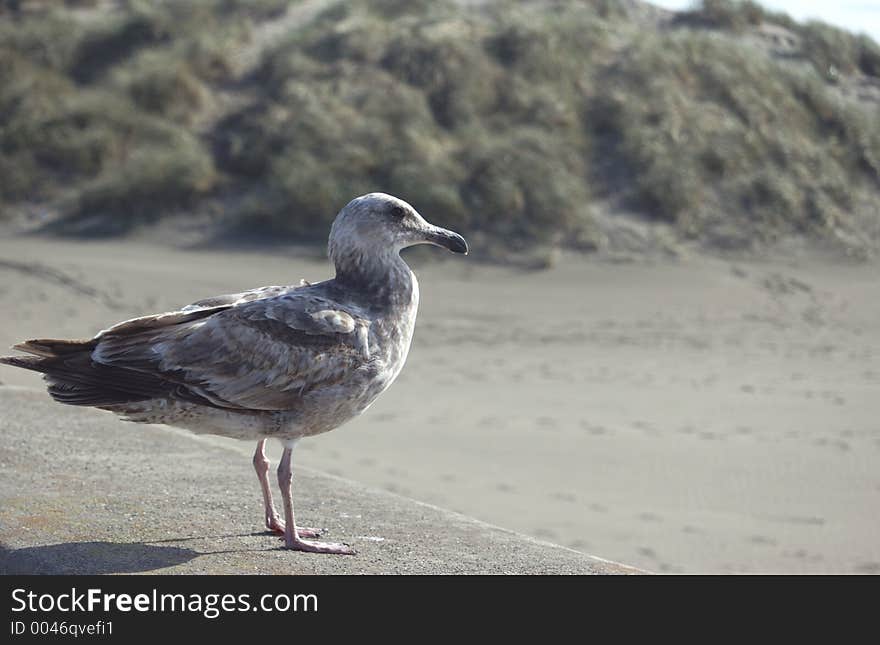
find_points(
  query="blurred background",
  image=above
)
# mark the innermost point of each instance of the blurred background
(663, 347)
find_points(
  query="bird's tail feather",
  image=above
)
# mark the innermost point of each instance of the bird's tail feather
(26, 362)
(53, 347)
(73, 378)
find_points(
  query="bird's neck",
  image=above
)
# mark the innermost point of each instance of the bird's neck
(384, 278)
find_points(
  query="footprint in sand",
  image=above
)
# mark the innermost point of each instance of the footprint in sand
(665, 567)
(593, 429)
(548, 423)
(691, 530)
(803, 554)
(867, 567)
(564, 496)
(839, 444)
(650, 517)
(598, 508)
(647, 552)
(544, 533)
(763, 540)
(547, 371)
(504, 487)
(645, 426)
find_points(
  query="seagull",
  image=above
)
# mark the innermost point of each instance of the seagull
(282, 362)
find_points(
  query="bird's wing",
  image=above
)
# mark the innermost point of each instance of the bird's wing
(198, 309)
(244, 296)
(262, 354)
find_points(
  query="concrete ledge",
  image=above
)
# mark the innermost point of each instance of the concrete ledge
(84, 493)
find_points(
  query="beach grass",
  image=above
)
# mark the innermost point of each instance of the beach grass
(516, 120)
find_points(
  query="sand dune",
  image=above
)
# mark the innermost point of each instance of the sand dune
(694, 416)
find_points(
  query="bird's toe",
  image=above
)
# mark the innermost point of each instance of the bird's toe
(307, 532)
(310, 546)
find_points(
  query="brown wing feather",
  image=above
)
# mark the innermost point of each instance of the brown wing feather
(244, 351)
(262, 354)
(238, 298)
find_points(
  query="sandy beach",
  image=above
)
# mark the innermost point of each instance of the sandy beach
(698, 415)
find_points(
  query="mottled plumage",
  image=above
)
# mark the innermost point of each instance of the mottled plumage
(283, 362)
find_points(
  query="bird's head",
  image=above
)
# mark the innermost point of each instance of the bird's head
(380, 224)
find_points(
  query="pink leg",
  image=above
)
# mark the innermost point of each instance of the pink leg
(273, 521)
(293, 535)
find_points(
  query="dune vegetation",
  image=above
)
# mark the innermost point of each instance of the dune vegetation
(517, 121)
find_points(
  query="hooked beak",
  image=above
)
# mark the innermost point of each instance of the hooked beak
(447, 239)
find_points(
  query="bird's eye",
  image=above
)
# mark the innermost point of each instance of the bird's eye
(398, 211)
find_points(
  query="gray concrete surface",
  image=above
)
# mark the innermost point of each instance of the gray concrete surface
(84, 493)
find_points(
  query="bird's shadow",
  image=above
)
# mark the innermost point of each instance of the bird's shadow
(96, 558)
(91, 558)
